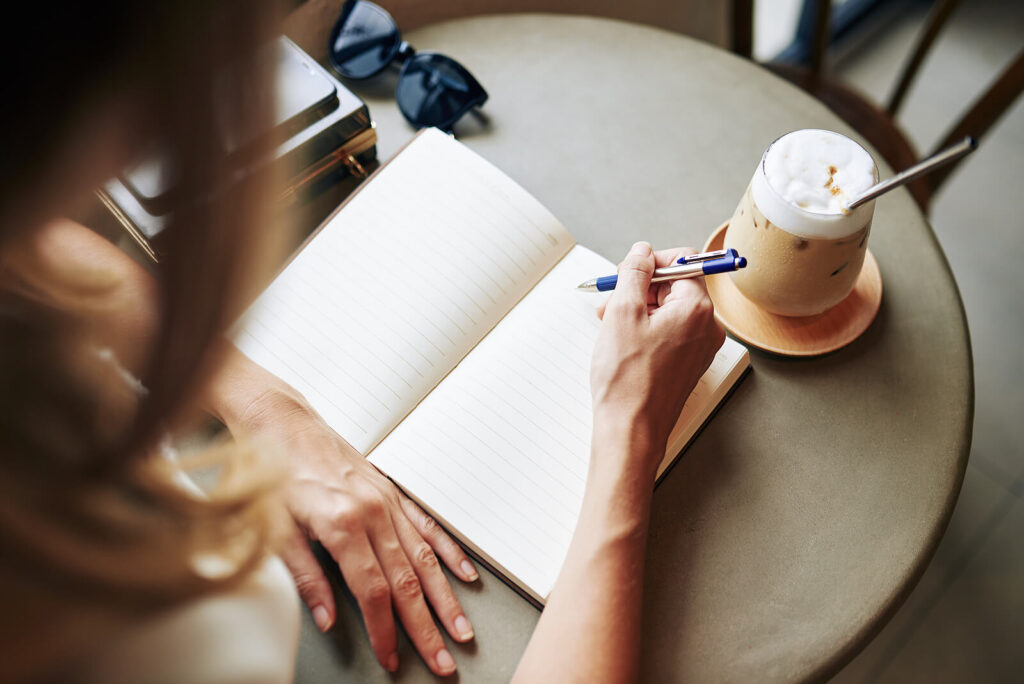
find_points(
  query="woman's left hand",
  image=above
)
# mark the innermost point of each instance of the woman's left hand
(386, 547)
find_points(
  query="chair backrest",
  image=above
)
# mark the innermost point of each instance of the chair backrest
(975, 121)
(726, 24)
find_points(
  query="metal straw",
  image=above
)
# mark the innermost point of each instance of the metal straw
(933, 162)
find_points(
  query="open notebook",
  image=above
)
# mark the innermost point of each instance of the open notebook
(433, 322)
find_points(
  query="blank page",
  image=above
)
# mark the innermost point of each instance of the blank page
(383, 302)
(499, 451)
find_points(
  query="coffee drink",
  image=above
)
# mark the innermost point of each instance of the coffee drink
(803, 250)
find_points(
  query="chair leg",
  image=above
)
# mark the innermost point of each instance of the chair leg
(743, 28)
(985, 112)
(933, 24)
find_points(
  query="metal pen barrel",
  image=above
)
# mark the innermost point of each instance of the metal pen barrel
(677, 272)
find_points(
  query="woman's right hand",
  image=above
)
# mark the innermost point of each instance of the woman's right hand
(654, 345)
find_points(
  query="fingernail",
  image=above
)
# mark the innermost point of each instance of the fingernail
(471, 574)
(321, 618)
(640, 249)
(392, 662)
(463, 628)
(445, 662)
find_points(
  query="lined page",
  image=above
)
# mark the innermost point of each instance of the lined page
(400, 285)
(499, 451)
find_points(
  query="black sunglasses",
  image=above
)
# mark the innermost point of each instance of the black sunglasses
(433, 90)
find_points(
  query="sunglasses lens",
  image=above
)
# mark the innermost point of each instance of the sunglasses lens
(435, 90)
(363, 41)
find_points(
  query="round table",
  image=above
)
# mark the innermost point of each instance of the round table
(802, 516)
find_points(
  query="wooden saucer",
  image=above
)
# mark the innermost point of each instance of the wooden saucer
(795, 336)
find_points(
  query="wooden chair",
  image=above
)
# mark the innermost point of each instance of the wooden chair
(878, 125)
(729, 25)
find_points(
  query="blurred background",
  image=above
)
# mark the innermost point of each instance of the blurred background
(965, 620)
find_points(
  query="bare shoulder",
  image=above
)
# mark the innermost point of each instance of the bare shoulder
(247, 635)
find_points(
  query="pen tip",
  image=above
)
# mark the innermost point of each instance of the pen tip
(741, 262)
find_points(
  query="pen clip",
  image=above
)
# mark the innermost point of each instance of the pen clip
(717, 254)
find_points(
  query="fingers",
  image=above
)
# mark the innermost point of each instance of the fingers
(450, 552)
(688, 312)
(654, 295)
(663, 258)
(435, 584)
(634, 276)
(686, 289)
(408, 597)
(682, 302)
(669, 257)
(309, 579)
(365, 578)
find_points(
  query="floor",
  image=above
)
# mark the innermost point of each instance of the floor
(965, 620)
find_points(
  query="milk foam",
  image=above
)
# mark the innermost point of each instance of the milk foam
(806, 176)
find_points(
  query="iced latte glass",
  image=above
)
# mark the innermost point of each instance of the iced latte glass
(803, 251)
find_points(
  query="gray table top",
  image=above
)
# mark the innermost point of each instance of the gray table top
(798, 521)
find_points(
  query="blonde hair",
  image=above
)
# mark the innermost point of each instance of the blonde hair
(94, 529)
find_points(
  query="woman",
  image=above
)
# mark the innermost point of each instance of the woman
(111, 566)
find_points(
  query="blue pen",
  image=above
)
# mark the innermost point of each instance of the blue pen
(693, 266)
